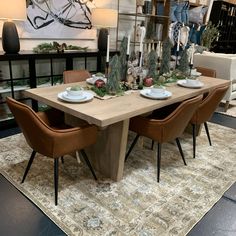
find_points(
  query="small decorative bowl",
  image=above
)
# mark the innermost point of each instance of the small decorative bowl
(74, 92)
(157, 91)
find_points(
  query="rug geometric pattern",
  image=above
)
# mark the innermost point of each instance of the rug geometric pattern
(137, 205)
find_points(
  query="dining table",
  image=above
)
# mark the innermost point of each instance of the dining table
(112, 117)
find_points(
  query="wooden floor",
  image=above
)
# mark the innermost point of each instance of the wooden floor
(20, 217)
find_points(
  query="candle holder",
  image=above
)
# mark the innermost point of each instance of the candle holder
(176, 59)
(190, 69)
(139, 59)
(106, 69)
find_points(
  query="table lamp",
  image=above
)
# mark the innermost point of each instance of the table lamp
(11, 10)
(104, 19)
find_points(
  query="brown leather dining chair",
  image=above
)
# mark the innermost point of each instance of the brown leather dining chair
(46, 133)
(205, 111)
(164, 129)
(206, 71)
(71, 76)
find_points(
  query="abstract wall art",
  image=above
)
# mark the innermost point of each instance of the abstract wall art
(65, 19)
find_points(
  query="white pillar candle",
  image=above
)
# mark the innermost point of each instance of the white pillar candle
(158, 50)
(192, 53)
(178, 42)
(141, 42)
(128, 44)
(153, 46)
(108, 45)
(149, 47)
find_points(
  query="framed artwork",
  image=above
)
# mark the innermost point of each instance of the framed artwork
(63, 19)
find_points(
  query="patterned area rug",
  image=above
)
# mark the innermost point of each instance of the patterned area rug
(137, 205)
(231, 110)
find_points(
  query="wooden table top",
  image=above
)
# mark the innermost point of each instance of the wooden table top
(105, 112)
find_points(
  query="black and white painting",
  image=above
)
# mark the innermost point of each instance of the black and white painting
(69, 19)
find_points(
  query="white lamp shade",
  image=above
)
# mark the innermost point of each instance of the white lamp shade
(13, 9)
(104, 18)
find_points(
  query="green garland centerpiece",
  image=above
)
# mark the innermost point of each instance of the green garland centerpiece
(56, 47)
(113, 85)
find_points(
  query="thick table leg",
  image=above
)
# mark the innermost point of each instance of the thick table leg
(108, 154)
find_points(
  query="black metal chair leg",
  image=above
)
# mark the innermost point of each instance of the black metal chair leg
(56, 179)
(207, 131)
(88, 163)
(152, 145)
(131, 147)
(180, 150)
(194, 139)
(158, 161)
(29, 165)
(62, 160)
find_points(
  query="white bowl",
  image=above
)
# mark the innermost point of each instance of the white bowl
(77, 93)
(191, 81)
(157, 91)
(96, 77)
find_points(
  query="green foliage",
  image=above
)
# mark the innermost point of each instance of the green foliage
(55, 46)
(113, 83)
(184, 62)
(209, 35)
(122, 58)
(152, 65)
(99, 91)
(166, 56)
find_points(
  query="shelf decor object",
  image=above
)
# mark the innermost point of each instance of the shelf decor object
(11, 10)
(104, 19)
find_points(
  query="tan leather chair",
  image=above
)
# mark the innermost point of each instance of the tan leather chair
(205, 111)
(71, 76)
(46, 134)
(206, 71)
(164, 129)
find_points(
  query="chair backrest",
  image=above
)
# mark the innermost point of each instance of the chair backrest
(37, 133)
(172, 126)
(72, 76)
(209, 105)
(206, 71)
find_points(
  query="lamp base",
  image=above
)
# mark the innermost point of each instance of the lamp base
(10, 38)
(102, 39)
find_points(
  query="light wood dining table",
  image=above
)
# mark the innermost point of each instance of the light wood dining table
(112, 117)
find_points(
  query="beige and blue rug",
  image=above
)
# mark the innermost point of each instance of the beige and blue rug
(137, 205)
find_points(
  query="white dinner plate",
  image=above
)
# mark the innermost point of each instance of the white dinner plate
(93, 80)
(87, 96)
(184, 83)
(147, 93)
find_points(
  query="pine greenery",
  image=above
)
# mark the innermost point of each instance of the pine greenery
(122, 58)
(113, 82)
(152, 64)
(209, 35)
(166, 56)
(184, 62)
